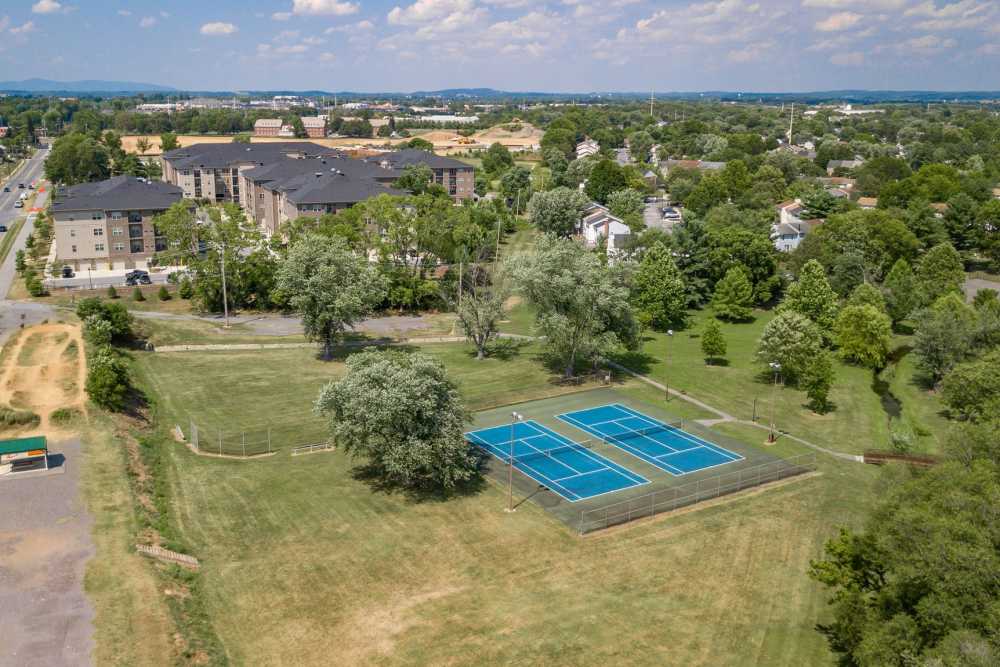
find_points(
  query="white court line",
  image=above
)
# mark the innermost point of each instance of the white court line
(683, 434)
(583, 450)
(638, 453)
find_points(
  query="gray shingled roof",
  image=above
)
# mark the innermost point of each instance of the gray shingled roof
(399, 160)
(119, 193)
(332, 180)
(221, 156)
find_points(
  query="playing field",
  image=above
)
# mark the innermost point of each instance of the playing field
(304, 562)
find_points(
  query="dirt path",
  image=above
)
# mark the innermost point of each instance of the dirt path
(44, 371)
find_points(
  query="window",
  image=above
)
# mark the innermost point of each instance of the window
(119, 247)
(96, 215)
(72, 248)
(135, 245)
(135, 231)
(98, 247)
(117, 231)
(260, 196)
(98, 231)
(135, 216)
(116, 215)
(72, 233)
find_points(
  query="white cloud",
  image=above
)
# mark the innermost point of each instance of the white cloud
(925, 45)
(164, 15)
(751, 52)
(291, 48)
(509, 4)
(874, 5)
(426, 11)
(281, 16)
(124, 12)
(24, 28)
(218, 29)
(323, 7)
(313, 41)
(989, 50)
(4, 22)
(327, 57)
(147, 22)
(954, 16)
(286, 35)
(351, 27)
(838, 22)
(848, 59)
(46, 7)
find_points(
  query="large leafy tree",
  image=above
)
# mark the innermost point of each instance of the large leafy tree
(556, 211)
(945, 336)
(939, 272)
(972, 389)
(515, 185)
(900, 291)
(862, 333)
(917, 585)
(497, 159)
(330, 286)
(583, 308)
(658, 291)
(733, 297)
(606, 177)
(792, 340)
(403, 415)
(415, 179)
(481, 306)
(812, 296)
(77, 158)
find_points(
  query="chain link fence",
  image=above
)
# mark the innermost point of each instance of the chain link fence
(250, 442)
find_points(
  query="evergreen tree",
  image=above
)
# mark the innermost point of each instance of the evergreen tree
(940, 272)
(812, 297)
(867, 294)
(658, 291)
(713, 343)
(733, 295)
(900, 288)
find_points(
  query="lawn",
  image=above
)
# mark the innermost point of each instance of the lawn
(304, 563)
(856, 423)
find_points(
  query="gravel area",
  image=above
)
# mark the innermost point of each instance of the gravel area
(46, 618)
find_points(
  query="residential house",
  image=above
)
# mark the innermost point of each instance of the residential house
(996, 193)
(599, 227)
(109, 224)
(833, 166)
(791, 228)
(587, 147)
(868, 202)
(266, 127)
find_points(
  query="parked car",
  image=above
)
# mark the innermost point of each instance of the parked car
(31, 186)
(20, 186)
(67, 272)
(6, 188)
(671, 213)
(137, 277)
(3, 228)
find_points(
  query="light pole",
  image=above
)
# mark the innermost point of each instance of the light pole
(225, 300)
(666, 362)
(514, 418)
(776, 367)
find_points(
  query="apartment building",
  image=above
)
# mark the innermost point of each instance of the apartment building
(315, 126)
(266, 127)
(211, 171)
(109, 224)
(276, 193)
(457, 177)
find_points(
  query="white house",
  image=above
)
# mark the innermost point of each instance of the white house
(587, 147)
(598, 227)
(790, 228)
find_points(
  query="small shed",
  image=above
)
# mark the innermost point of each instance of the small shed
(23, 453)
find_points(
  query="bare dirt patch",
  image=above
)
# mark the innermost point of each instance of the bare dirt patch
(43, 371)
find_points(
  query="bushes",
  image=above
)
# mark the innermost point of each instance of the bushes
(9, 417)
(137, 295)
(163, 294)
(115, 314)
(186, 289)
(108, 382)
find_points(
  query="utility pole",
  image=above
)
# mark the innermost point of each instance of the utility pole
(650, 103)
(776, 367)
(225, 300)
(666, 362)
(791, 123)
(514, 418)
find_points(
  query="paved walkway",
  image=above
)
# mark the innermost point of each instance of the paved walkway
(44, 545)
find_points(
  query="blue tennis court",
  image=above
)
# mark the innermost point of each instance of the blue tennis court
(554, 461)
(662, 445)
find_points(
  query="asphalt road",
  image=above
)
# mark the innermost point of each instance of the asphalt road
(28, 173)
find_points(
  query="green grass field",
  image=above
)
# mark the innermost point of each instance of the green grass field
(858, 421)
(304, 563)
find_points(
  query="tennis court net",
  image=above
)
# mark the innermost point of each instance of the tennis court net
(544, 454)
(643, 432)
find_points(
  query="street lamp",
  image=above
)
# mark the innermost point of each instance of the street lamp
(776, 368)
(666, 361)
(514, 418)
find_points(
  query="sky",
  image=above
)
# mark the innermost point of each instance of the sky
(521, 45)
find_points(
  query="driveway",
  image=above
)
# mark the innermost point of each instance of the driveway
(47, 619)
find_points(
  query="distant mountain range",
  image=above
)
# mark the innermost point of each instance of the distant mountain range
(88, 86)
(94, 87)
